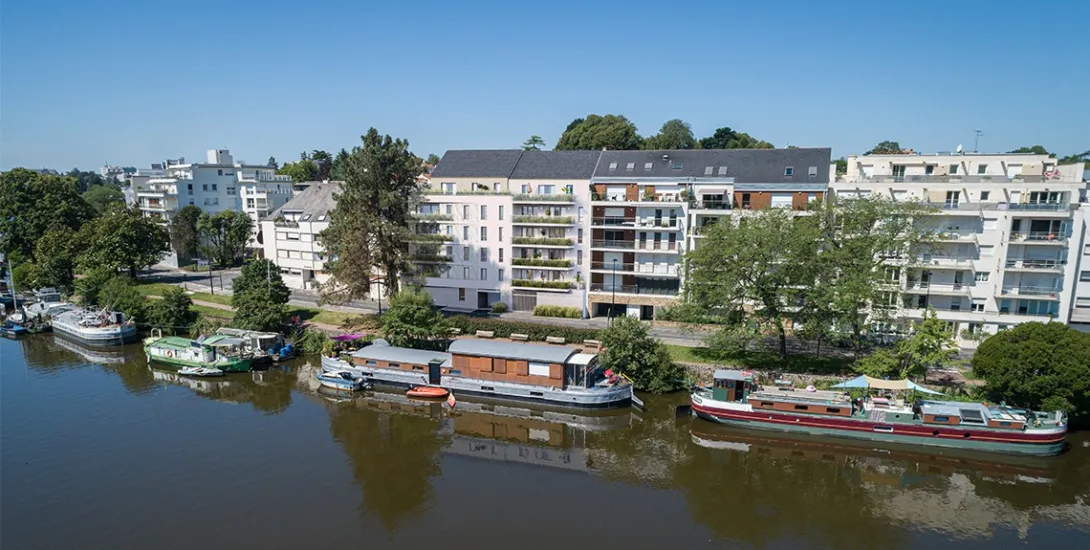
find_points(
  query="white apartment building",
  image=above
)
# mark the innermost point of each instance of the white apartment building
(215, 185)
(1011, 235)
(290, 236)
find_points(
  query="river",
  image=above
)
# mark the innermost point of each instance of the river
(99, 451)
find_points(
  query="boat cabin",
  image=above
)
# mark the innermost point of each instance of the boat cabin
(256, 341)
(972, 414)
(226, 346)
(732, 385)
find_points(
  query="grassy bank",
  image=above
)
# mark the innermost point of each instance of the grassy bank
(759, 360)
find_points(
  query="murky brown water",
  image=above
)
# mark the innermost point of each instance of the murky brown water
(99, 451)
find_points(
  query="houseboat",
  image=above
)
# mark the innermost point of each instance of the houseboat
(94, 327)
(213, 352)
(263, 346)
(543, 373)
(734, 398)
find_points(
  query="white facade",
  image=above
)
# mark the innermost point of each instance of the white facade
(290, 237)
(1011, 232)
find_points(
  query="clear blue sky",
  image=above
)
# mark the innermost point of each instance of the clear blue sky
(134, 82)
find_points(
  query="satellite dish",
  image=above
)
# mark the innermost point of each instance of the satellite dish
(958, 149)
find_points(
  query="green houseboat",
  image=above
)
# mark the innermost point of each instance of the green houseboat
(216, 351)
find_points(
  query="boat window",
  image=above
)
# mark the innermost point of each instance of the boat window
(371, 363)
(416, 367)
(888, 429)
(942, 419)
(801, 407)
(395, 365)
(487, 388)
(832, 410)
(1005, 424)
(536, 394)
(767, 403)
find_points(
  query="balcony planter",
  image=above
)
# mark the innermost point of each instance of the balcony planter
(561, 220)
(535, 262)
(544, 241)
(528, 283)
(430, 238)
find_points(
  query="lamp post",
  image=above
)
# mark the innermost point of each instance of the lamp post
(613, 300)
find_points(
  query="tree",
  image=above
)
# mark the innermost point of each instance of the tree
(433, 159)
(55, 255)
(86, 179)
(930, 345)
(324, 163)
(1083, 157)
(597, 132)
(1036, 149)
(32, 203)
(841, 165)
(885, 148)
(259, 296)
(726, 138)
(119, 294)
(172, 314)
(25, 276)
(271, 163)
(89, 287)
(369, 226)
(754, 268)
(184, 236)
(630, 349)
(304, 170)
(227, 234)
(535, 143)
(1039, 366)
(412, 322)
(123, 238)
(674, 134)
(260, 274)
(337, 173)
(103, 196)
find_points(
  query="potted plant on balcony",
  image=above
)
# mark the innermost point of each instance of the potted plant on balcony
(648, 195)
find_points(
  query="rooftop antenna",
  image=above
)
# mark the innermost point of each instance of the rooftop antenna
(958, 150)
(976, 141)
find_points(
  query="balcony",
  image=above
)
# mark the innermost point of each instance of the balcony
(542, 241)
(1038, 237)
(952, 237)
(647, 246)
(542, 220)
(1052, 266)
(670, 224)
(950, 178)
(264, 177)
(431, 258)
(563, 286)
(959, 208)
(607, 288)
(429, 238)
(672, 198)
(637, 268)
(937, 289)
(281, 222)
(432, 217)
(1042, 206)
(541, 263)
(942, 260)
(530, 198)
(1039, 292)
(712, 205)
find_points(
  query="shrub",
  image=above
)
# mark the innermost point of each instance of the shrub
(499, 307)
(312, 341)
(536, 332)
(631, 350)
(558, 311)
(567, 220)
(547, 241)
(119, 294)
(538, 262)
(530, 283)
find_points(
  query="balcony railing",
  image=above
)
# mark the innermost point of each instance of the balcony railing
(712, 205)
(285, 223)
(526, 197)
(951, 178)
(1040, 206)
(651, 223)
(941, 259)
(1014, 290)
(918, 287)
(635, 245)
(558, 220)
(1035, 264)
(957, 206)
(530, 283)
(1038, 237)
(540, 262)
(431, 258)
(541, 241)
(639, 268)
(432, 217)
(430, 238)
(633, 289)
(949, 237)
(667, 198)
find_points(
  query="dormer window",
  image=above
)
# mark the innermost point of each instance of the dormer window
(789, 171)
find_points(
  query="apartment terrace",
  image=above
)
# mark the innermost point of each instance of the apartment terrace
(526, 198)
(1036, 292)
(636, 268)
(668, 247)
(936, 289)
(1037, 237)
(636, 290)
(1035, 265)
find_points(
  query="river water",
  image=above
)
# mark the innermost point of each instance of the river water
(97, 450)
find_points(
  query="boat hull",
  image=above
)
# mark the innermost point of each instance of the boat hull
(618, 396)
(242, 365)
(1044, 444)
(113, 336)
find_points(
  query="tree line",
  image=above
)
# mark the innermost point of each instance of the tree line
(616, 132)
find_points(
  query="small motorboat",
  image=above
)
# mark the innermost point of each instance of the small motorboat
(12, 329)
(427, 392)
(199, 371)
(343, 380)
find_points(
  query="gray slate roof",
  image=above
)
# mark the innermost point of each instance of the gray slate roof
(744, 165)
(477, 163)
(379, 352)
(315, 200)
(512, 350)
(560, 165)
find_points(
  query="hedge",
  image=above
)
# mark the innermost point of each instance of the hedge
(536, 332)
(529, 283)
(499, 307)
(558, 311)
(540, 262)
(566, 220)
(546, 241)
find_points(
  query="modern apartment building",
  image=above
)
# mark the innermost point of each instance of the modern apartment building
(215, 185)
(290, 236)
(1011, 235)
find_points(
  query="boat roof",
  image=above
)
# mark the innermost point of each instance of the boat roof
(582, 359)
(543, 353)
(731, 374)
(175, 342)
(246, 333)
(379, 352)
(223, 340)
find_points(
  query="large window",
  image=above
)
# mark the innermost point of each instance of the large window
(539, 369)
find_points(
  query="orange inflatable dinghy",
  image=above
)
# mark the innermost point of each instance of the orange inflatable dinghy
(427, 391)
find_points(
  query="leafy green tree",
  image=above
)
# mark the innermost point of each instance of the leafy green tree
(25, 276)
(86, 179)
(260, 296)
(55, 255)
(324, 162)
(119, 294)
(754, 269)
(883, 363)
(123, 238)
(227, 234)
(172, 314)
(271, 163)
(412, 322)
(674, 134)
(337, 173)
(1036, 149)
(535, 143)
(1040, 366)
(726, 138)
(31, 204)
(597, 132)
(89, 286)
(1083, 157)
(184, 236)
(885, 148)
(931, 344)
(841, 165)
(304, 170)
(102, 197)
(630, 349)
(433, 159)
(370, 224)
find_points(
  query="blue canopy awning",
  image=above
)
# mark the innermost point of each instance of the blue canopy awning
(864, 381)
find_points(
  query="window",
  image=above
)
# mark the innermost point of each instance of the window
(484, 254)
(801, 407)
(612, 166)
(219, 172)
(322, 218)
(291, 236)
(811, 172)
(501, 256)
(675, 166)
(832, 410)
(580, 235)
(500, 235)
(722, 170)
(465, 211)
(496, 187)
(281, 253)
(789, 171)
(449, 251)
(546, 189)
(953, 169)
(465, 233)
(501, 212)
(465, 253)
(984, 195)
(569, 189)
(190, 188)
(987, 250)
(461, 294)
(982, 169)
(204, 187)
(449, 229)
(306, 218)
(213, 187)
(484, 212)
(929, 169)
(767, 404)
(647, 166)
(499, 275)
(230, 190)
(579, 257)
(709, 170)
(539, 369)
(465, 273)
(1084, 276)
(630, 167)
(982, 276)
(484, 233)
(484, 274)
(942, 419)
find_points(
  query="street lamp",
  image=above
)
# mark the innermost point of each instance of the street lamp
(613, 300)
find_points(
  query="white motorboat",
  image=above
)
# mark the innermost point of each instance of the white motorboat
(200, 371)
(343, 380)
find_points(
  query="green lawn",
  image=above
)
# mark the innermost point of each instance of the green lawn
(155, 289)
(213, 312)
(760, 360)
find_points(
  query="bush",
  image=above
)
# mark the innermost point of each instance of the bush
(630, 349)
(539, 262)
(313, 341)
(499, 307)
(558, 311)
(536, 332)
(555, 241)
(119, 294)
(530, 283)
(172, 313)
